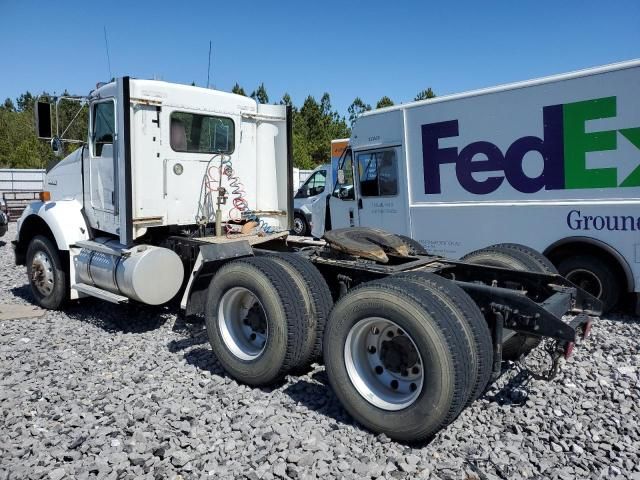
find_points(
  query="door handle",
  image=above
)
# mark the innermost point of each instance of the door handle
(359, 204)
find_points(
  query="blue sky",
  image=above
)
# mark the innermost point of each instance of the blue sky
(367, 49)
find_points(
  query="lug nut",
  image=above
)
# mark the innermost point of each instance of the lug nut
(394, 384)
(375, 330)
(379, 370)
(372, 349)
(389, 334)
(413, 387)
(252, 336)
(400, 332)
(415, 370)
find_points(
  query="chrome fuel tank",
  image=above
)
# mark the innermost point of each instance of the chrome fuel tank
(146, 273)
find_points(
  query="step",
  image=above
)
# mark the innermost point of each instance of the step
(99, 293)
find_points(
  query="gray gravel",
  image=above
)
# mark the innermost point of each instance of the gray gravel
(132, 392)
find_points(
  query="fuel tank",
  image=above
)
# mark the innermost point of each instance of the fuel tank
(146, 273)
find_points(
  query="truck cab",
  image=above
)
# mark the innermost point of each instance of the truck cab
(160, 159)
(371, 183)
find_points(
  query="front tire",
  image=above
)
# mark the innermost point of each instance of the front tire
(300, 225)
(47, 276)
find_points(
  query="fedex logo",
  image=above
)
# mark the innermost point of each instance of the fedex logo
(563, 148)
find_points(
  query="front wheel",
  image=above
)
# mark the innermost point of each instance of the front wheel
(47, 277)
(300, 225)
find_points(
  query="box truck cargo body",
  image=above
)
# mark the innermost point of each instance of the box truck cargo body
(552, 163)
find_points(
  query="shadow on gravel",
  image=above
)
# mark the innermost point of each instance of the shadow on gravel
(204, 359)
(194, 331)
(127, 318)
(316, 394)
(23, 292)
(2, 243)
(514, 392)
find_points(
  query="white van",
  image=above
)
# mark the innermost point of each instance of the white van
(313, 193)
(552, 163)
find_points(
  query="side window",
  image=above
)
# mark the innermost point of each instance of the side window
(344, 183)
(313, 186)
(378, 172)
(104, 127)
(194, 133)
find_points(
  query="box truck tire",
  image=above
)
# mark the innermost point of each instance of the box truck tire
(47, 277)
(317, 299)
(472, 323)
(396, 359)
(517, 257)
(593, 275)
(255, 319)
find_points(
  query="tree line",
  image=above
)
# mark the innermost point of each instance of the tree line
(315, 124)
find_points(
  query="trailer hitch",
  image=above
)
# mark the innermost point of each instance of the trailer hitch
(559, 349)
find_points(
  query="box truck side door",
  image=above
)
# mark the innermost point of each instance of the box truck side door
(381, 195)
(342, 203)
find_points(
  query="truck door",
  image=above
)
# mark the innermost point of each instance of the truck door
(342, 203)
(101, 199)
(381, 195)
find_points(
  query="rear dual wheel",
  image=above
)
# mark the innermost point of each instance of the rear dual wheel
(263, 316)
(399, 359)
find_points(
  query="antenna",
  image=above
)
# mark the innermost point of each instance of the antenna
(106, 44)
(209, 66)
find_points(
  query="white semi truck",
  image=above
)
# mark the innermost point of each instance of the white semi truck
(552, 163)
(184, 192)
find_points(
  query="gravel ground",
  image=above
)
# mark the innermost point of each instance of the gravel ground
(132, 392)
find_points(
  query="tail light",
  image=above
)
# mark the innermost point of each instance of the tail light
(568, 351)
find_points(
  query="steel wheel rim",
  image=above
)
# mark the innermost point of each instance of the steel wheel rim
(243, 333)
(383, 363)
(298, 226)
(587, 280)
(42, 276)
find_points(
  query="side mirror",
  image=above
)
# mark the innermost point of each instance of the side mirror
(57, 147)
(43, 120)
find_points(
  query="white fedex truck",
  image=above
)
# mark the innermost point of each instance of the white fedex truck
(553, 163)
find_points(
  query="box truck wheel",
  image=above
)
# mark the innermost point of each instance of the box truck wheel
(396, 359)
(47, 277)
(470, 320)
(517, 257)
(255, 318)
(300, 225)
(593, 275)
(415, 247)
(317, 298)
